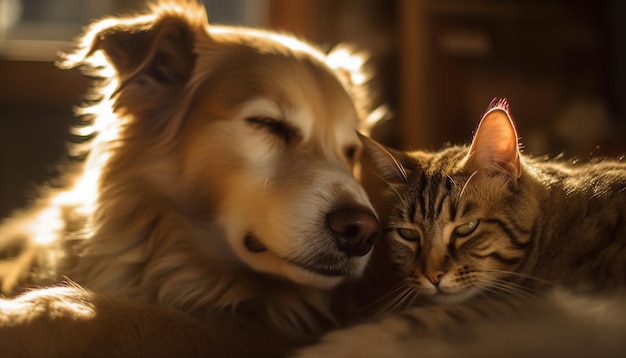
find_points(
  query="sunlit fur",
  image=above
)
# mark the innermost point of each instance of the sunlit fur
(174, 176)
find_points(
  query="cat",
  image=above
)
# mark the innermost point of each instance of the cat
(483, 233)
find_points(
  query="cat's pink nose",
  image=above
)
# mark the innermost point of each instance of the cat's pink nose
(435, 277)
(357, 228)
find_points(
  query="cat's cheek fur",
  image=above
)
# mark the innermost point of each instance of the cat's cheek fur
(402, 254)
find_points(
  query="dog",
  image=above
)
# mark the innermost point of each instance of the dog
(214, 178)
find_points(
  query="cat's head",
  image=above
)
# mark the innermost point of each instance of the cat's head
(460, 218)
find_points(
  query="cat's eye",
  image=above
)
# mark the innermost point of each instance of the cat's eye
(274, 126)
(467, 228)
(409, 234)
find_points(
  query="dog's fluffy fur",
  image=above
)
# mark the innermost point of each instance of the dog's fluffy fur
(214, 161)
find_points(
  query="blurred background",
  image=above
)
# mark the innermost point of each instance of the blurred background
(437, 64)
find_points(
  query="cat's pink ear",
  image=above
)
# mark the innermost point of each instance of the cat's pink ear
(388, 166)
(495, 145)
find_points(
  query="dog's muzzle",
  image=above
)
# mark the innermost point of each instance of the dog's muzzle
(356, 229)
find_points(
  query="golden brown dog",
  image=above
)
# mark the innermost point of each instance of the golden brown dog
(216, 182)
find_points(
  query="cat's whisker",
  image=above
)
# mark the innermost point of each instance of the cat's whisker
(519, 274)
(451, 179)
(406, 301)
(398, 302)
(415, 293)
(496, 291)
(479, 290)
(466, 184)
(389, 185)
(392, 293)
(510, 288)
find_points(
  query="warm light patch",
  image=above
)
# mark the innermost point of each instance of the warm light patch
(54, 302)
(344, 59)
(47, 226)
(82, 196)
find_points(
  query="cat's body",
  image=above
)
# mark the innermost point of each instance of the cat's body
(580, 232)
(561, 222)
(484, 219)
(483, 235)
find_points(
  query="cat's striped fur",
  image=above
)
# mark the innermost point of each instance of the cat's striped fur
(484, 220)
(481, 232)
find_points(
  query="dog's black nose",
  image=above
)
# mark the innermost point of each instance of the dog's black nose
(357, 229)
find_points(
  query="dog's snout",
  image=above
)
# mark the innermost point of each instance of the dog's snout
(357, 229)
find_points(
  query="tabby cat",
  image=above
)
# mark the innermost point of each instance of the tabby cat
(480, 231)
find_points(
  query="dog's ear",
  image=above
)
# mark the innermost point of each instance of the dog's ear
(157, 47)
(163, 51)
(143, 64)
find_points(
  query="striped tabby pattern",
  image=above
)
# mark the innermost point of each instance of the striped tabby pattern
(485, 220)
(480, 234)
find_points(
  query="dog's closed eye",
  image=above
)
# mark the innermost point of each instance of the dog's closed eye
(274, 126)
